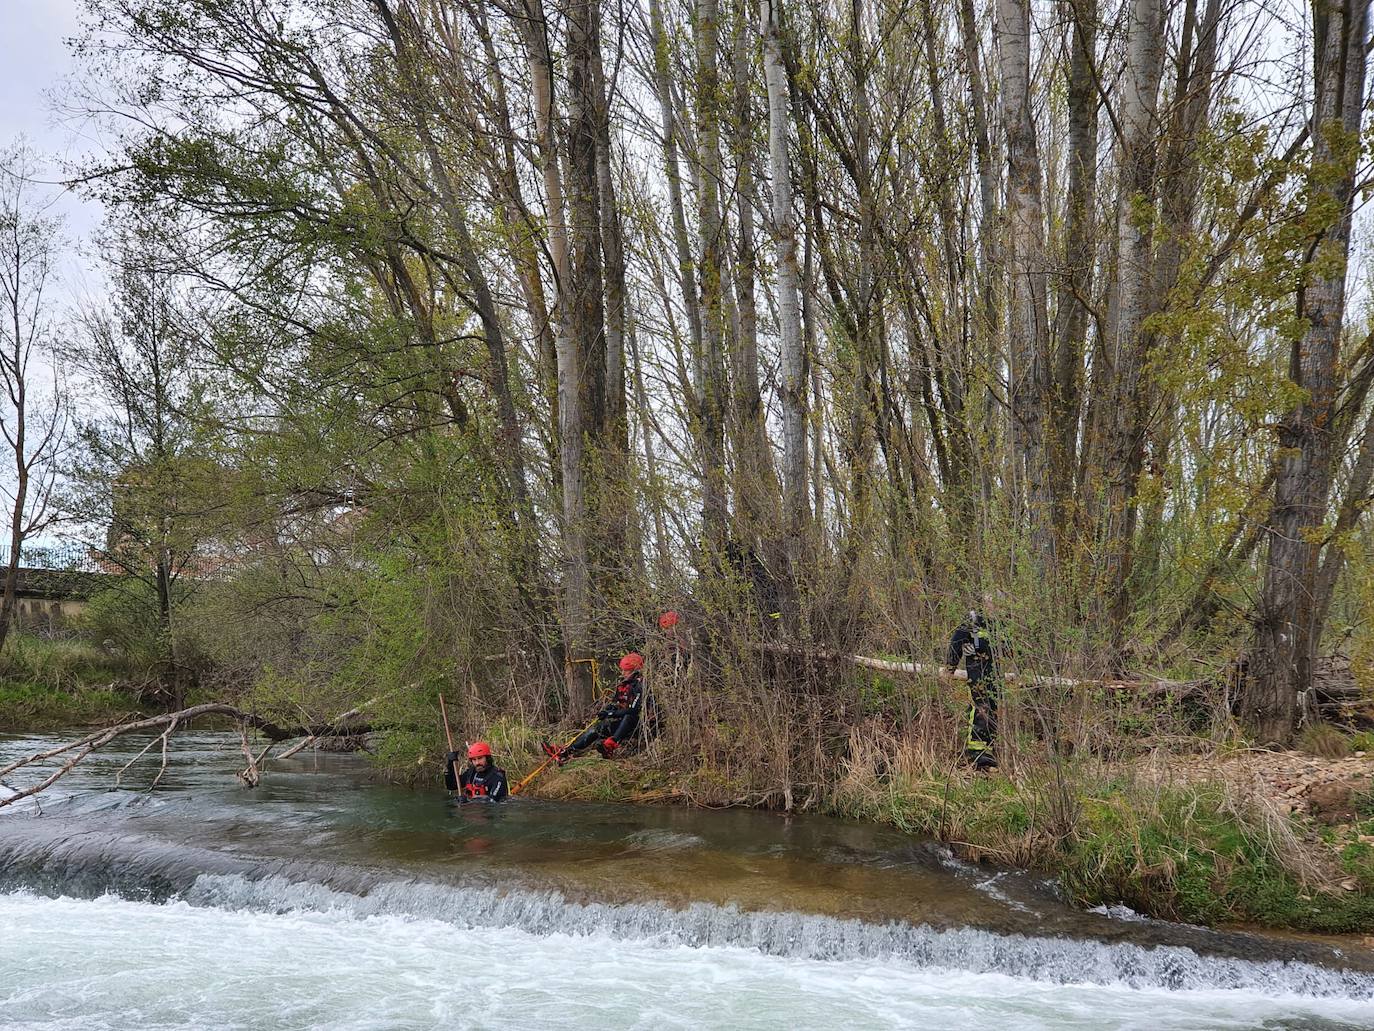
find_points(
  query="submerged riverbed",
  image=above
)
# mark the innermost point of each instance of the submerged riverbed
(322, 898)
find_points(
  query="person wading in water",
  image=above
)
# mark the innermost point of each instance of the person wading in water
(481, 779)
(617, 721)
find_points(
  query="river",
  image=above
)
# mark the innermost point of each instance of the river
(324, 898)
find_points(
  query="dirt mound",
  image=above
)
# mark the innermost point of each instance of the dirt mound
(1294, 781)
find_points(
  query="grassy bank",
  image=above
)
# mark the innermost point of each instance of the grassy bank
(1111, 834)
(55, 683)
(35, 707)
(1198, 852)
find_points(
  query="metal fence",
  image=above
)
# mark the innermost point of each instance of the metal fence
(61, 557)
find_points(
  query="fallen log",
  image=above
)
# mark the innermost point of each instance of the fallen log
(1333, 680)
(353, 713)
(1024, 680)
(1333, 685)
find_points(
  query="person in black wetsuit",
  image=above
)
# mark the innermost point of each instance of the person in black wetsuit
(973, 644)
(617, 721)
(482, 778)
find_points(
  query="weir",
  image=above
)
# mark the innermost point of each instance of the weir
(321, 856)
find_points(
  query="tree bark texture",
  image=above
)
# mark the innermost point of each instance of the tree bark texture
(1027, 319)
(1288, 623)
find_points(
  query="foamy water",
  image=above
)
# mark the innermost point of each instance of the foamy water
(322, 899)
(115, 963)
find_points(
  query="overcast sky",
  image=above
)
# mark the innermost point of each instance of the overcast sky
(34, 60)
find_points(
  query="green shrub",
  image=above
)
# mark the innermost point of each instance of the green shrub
(125, 619)
(57, 665)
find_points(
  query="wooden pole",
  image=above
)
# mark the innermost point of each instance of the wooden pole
(447, 733)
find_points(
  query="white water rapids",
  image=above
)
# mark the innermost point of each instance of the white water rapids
(322, 899)
(249, 955)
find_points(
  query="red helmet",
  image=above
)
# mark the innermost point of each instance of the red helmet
(479, 749)
(631, 662)
(668, 620)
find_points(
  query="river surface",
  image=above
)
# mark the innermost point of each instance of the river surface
(323, 898)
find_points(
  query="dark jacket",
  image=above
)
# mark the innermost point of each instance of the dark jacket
(628, 697)
(974, 643)
(621, 718)
(489, 784)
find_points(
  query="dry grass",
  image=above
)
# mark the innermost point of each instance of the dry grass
(1324, 740)
(1210, 849)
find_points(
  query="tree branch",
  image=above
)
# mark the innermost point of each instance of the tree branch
(169, 723)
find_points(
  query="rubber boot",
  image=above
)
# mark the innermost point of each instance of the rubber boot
(981, 759)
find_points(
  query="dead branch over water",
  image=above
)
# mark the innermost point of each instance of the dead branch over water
(167, 724)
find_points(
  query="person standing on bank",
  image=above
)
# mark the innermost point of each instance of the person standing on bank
(482, 778)
(973, 645)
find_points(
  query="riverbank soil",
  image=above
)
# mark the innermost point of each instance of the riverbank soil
(1328, 802)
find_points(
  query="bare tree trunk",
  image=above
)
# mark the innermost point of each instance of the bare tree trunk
(792, 389)
(1179, 182)
(990, 234)
(1288, 623)
(613, 252)
(582, 361)
(499, 379)
(14, 373)
(866, 399)
(621, 554)
(21, 493)
(947, 356)
(1075, 283)
(521, 228)
(34, 437)
(756, 485)
(662, 557)
(534, 29)
(663, 85)
(710, 366)
(576, 576)
(817, 392)
(162, 552)
(1027, 325)
(1125, 416)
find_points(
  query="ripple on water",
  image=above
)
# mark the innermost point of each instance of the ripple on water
(653, 840)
